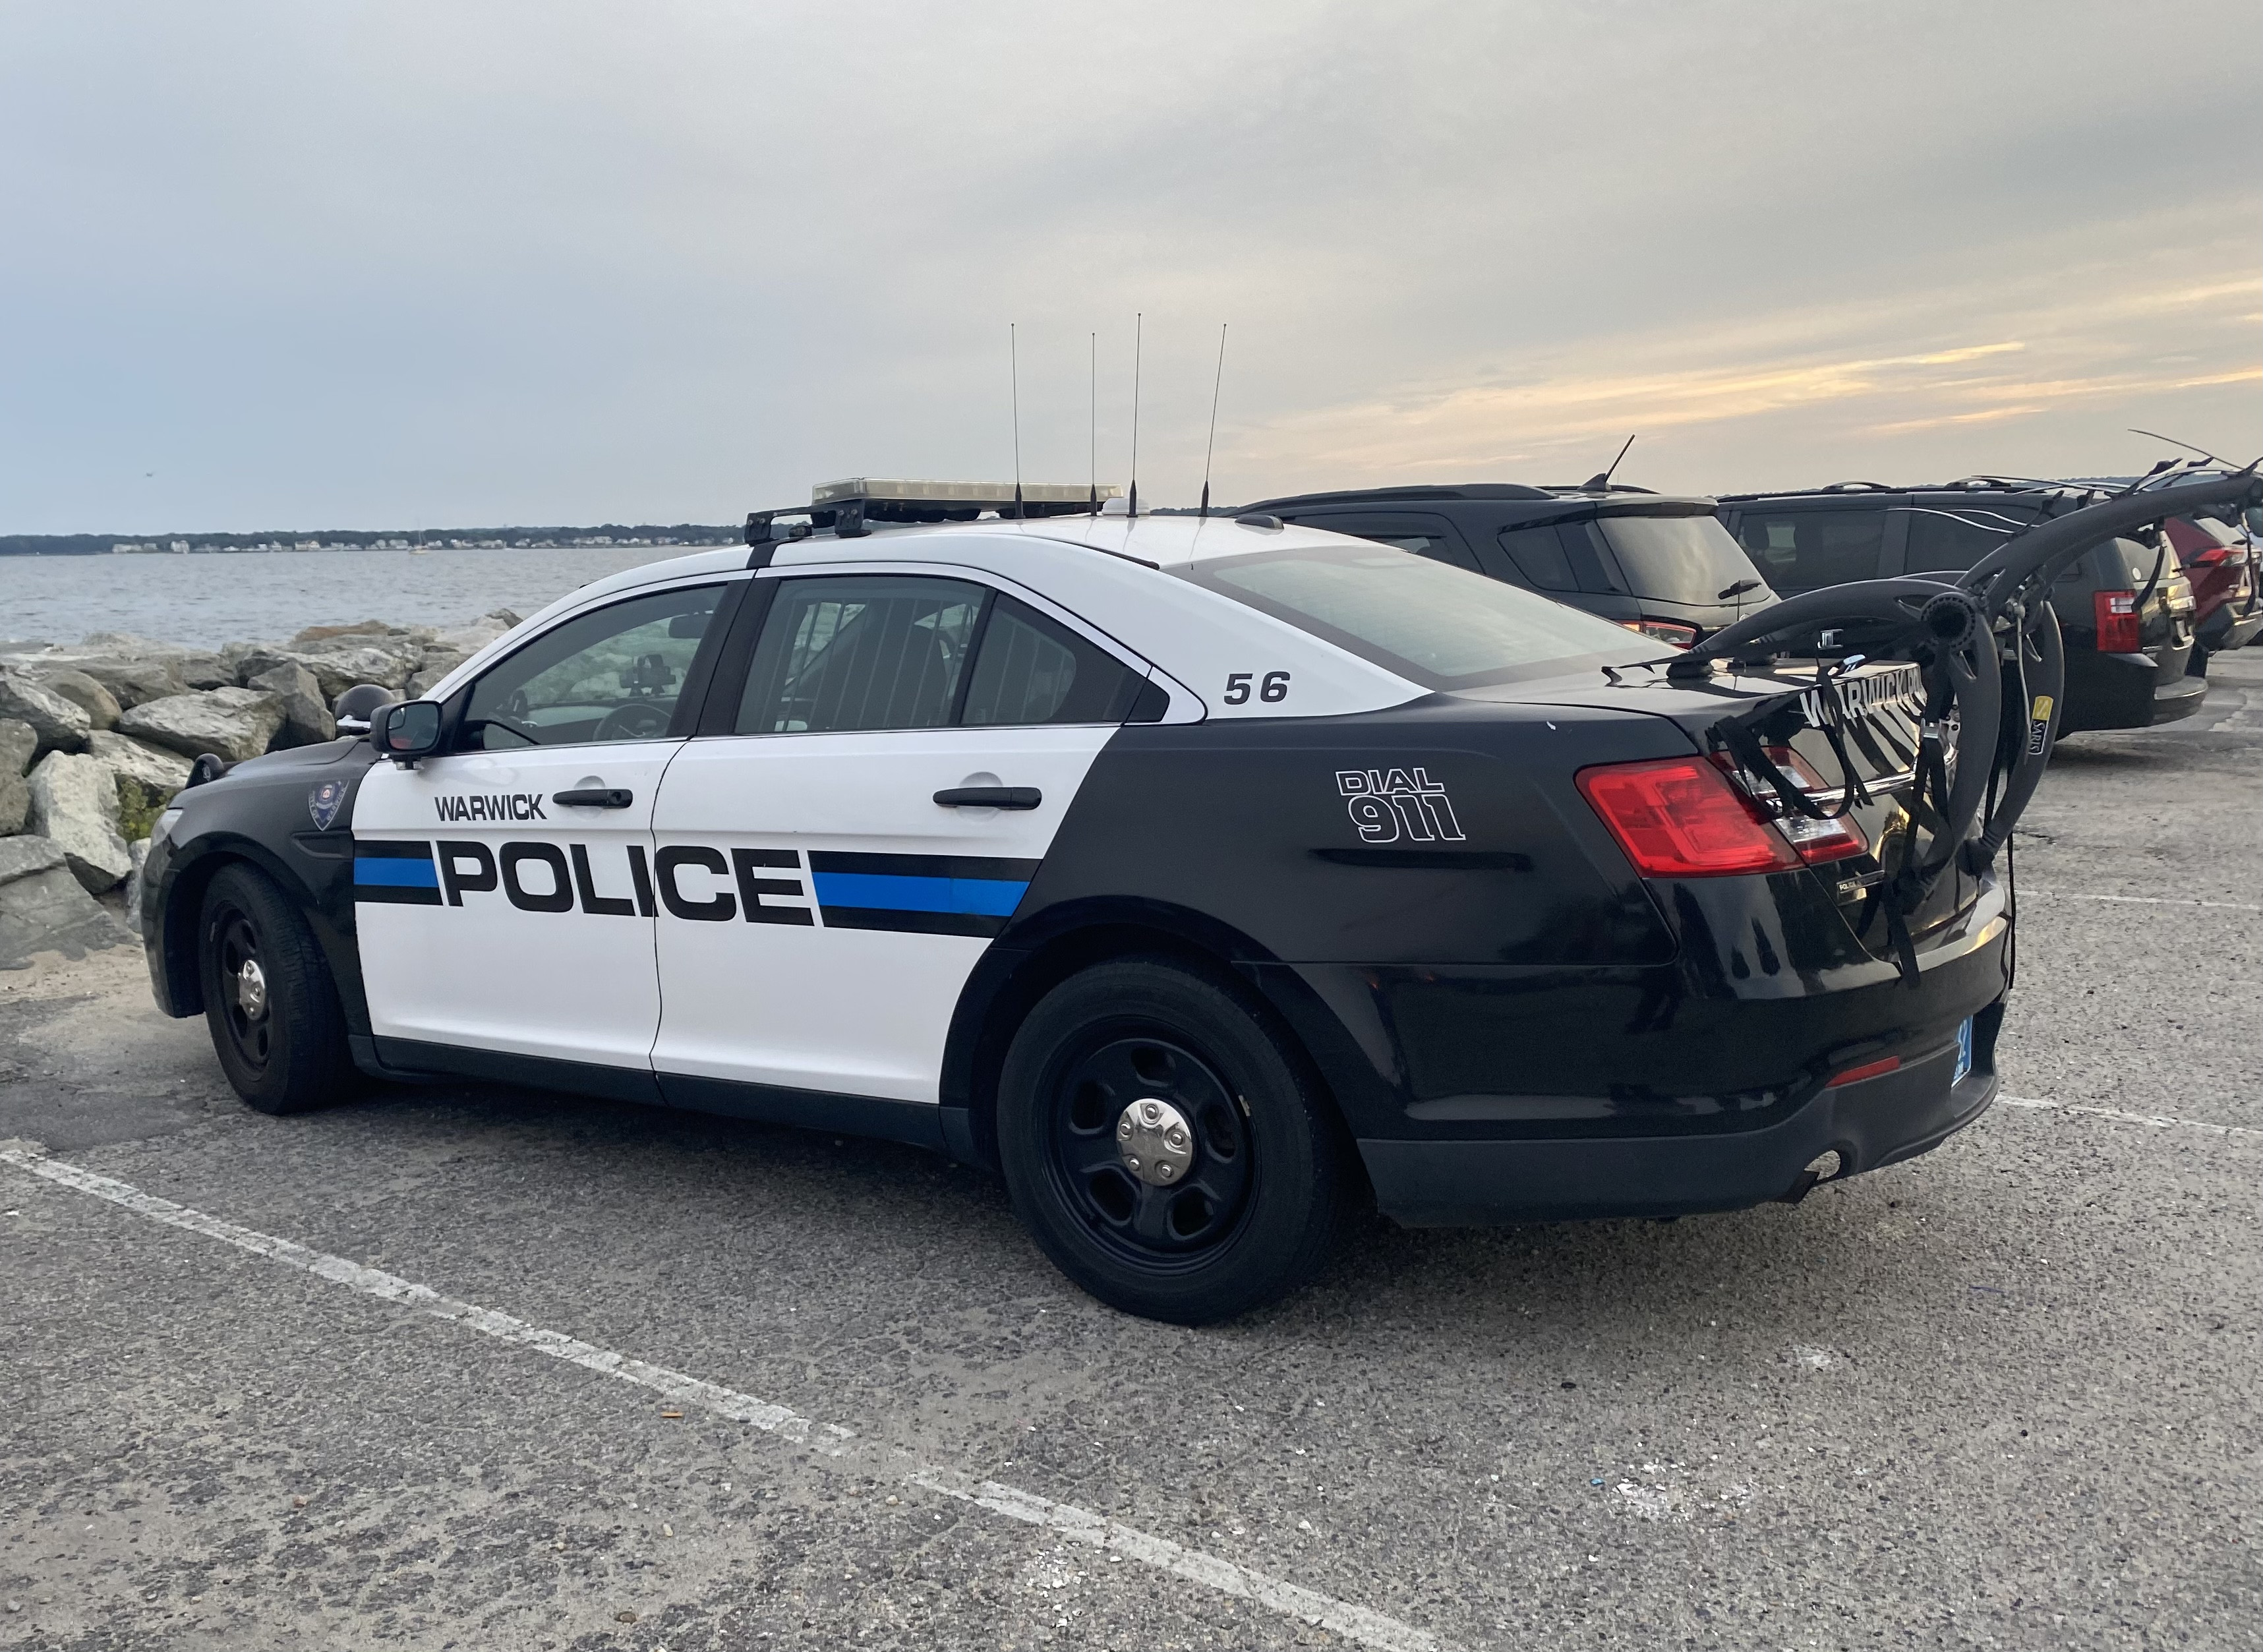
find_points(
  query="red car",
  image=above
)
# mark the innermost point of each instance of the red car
(2220, 563)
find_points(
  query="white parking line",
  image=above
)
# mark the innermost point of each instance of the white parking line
(2142, 900)
(2158, 1120)
(1354, 1623)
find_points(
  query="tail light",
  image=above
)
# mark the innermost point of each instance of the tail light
(1682, 818)
(1667, 631)
(1692, 817)
(1816, 841)
(2117, 621)
(2210, 557)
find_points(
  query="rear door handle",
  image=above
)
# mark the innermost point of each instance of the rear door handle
(990, 797)
(595, 797)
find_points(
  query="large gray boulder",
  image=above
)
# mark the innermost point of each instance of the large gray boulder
(43, 909)
(202, 671)
(131, 681)
(99, 703)
(58, 724)
(234, 722)
(338, 664)
(137, 760)
(307, 719)
(18, 745)
(15, 802)
(138, 668)
(148, 776)
(75, 807)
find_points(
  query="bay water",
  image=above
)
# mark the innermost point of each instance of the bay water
(202, 601)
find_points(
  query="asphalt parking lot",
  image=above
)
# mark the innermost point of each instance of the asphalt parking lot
(473, 1367)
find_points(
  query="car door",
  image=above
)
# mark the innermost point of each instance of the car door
(831, 863)
(504, 887)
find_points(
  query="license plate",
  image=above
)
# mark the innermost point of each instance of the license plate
(1964, 1051)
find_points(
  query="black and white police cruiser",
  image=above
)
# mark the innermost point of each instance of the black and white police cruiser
(1199, 875)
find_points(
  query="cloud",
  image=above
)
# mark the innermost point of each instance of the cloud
(546, 260)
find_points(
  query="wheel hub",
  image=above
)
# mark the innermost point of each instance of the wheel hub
(1155, 1143)
(251, 990)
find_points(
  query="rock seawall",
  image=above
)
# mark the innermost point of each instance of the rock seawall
(95, 740)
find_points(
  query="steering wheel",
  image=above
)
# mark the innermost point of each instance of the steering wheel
(635, 719)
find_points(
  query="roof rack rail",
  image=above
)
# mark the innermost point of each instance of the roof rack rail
(1362, 495)
(1609, 487)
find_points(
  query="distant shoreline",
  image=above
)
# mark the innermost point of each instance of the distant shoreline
(681, 534)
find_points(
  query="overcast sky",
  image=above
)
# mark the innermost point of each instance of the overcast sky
(399, 264)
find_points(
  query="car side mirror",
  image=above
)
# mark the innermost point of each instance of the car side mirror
(408, 731)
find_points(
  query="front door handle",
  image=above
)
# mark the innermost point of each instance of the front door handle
(990, 797)
(595, 797)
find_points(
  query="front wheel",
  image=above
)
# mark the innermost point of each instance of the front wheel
(268, 1000)
(1163, 1147)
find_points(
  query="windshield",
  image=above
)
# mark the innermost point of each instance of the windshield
(1689, 559)
(1439, 626)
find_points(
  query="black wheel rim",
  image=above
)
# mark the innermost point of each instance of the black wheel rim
(236, 944)
(1157, 1227)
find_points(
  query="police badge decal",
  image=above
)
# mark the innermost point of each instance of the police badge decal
(324, 802)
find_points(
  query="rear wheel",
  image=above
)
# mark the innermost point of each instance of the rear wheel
(269, 998)
(1163, 1147)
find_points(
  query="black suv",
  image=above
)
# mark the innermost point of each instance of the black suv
(2125, 609)
(1656, 564)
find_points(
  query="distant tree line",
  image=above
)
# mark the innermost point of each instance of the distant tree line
(363, 539)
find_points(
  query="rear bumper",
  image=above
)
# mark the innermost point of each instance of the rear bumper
(1875, 1122)
(2225, 630)
(2127, 691)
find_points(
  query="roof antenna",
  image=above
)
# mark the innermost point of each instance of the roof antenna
(2187, 446)
(1212, 446)
(1013, 367)
(1602, 483)
(1092, 427)
(1138, 334)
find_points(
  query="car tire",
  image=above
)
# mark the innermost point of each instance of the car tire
(1245, 1166)
(272, 1008)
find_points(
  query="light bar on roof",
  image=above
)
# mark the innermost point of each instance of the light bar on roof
(974, 493)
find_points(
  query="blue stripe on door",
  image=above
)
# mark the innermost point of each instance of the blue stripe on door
(396, 874)
(984, 897)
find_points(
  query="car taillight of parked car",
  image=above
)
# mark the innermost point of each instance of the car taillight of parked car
(1665, 631)
(1692, 817)
(2116, 612)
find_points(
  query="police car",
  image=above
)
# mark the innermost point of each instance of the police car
(1199, 875)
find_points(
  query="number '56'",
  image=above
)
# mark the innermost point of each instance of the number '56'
(1272, 689)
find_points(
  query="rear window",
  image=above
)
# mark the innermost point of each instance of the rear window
(1807, 550)
(1436, 625)
(1686, 558)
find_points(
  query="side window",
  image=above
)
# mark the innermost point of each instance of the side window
(1030, 670)
(1807, 550)
(1437, 547)
(1940, 543)
(612, 674)
(1539, 557)
(860, 652)
(1417, 535)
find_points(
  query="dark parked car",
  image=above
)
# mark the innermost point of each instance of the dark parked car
(2125, 609)
(1652, 563)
